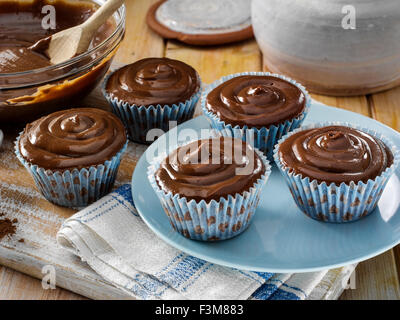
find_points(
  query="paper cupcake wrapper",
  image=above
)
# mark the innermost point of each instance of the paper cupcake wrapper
(76, 188)
(138, 120)
(263, 139)
(332, 203)
(215, 220)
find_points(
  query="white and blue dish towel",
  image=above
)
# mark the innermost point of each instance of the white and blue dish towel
(112, 238)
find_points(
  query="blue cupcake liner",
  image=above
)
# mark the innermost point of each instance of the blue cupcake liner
(336, 203)
(138, 120)
(74, 188)
(265, 138)
(215, 220)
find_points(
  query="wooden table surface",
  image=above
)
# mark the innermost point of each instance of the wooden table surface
(377, 278)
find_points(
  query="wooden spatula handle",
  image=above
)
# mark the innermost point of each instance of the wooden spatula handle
(101, 15)
(90, 26)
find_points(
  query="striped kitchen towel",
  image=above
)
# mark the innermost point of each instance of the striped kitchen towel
(111, 237)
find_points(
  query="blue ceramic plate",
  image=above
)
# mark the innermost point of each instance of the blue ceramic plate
(281, 238)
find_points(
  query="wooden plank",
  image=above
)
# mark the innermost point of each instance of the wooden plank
(396, 253)
(376, 279)
(39, 220)
(71, 273)
(214, 62)
(385, 108)
(18, 286)
(139, 42)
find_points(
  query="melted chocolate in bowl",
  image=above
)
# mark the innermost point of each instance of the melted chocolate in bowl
(37, 92)
(256, 101)
(335, 154)
(210, 169)
(21, 27)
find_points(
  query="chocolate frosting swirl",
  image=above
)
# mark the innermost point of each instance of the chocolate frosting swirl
(256, 101)
(154, 81)
(75, 138)
(210, 169)
(335, 154)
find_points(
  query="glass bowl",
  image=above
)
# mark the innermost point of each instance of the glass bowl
(25, 96)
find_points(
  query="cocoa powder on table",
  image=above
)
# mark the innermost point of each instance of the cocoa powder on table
(7, 227)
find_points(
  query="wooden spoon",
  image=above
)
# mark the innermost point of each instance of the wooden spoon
(68, 43)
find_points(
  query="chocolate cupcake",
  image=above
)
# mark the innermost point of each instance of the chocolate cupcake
(257, 107)
(336, 172)
(73, 155)
(151, 93)
(210, 188)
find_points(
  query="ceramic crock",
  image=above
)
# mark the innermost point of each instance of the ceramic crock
(335, 47)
